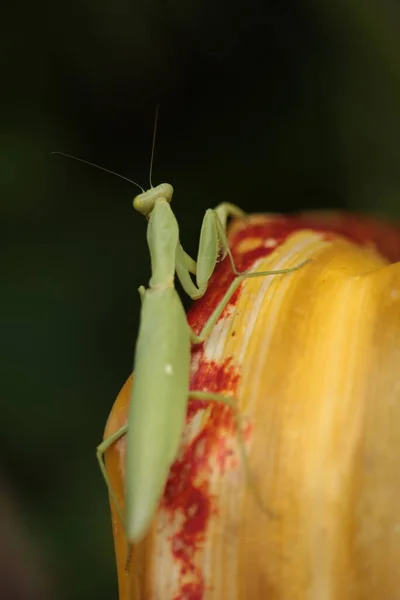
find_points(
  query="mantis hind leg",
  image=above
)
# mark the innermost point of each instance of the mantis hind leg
(100, 451)
(232, 402)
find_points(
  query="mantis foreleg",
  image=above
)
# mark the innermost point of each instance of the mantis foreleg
(212, 239)
(226, 210)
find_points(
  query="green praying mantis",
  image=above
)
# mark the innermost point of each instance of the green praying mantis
(160, 393)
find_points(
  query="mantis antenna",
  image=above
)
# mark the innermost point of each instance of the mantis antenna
(86, 162)
(153, 145)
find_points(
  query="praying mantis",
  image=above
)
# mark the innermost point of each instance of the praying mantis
(161, 391)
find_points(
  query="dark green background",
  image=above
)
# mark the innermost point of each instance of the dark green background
(276, 106)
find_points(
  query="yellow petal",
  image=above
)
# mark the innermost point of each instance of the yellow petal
(313, 358)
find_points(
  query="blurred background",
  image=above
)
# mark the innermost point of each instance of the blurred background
(275, 106)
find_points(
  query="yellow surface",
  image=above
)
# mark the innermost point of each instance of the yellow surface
(319, 356)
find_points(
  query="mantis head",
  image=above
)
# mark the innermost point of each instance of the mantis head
(144, 202)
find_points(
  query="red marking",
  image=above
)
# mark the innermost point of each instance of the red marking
(223, 274)
(187, 493)
(190, 591)
(364, 230)
(215, 378)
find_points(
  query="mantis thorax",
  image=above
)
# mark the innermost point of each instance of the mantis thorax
(162, 239)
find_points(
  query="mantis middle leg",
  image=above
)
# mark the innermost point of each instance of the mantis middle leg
(208, 326)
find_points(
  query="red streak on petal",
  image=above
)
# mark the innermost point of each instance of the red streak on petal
(190, 591)
(217, 378)
(187, 493)
(366, 231)
(223, 274)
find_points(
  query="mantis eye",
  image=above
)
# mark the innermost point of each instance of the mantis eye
(142, 205)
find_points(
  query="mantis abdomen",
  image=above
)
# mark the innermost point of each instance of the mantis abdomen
(158, 404)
